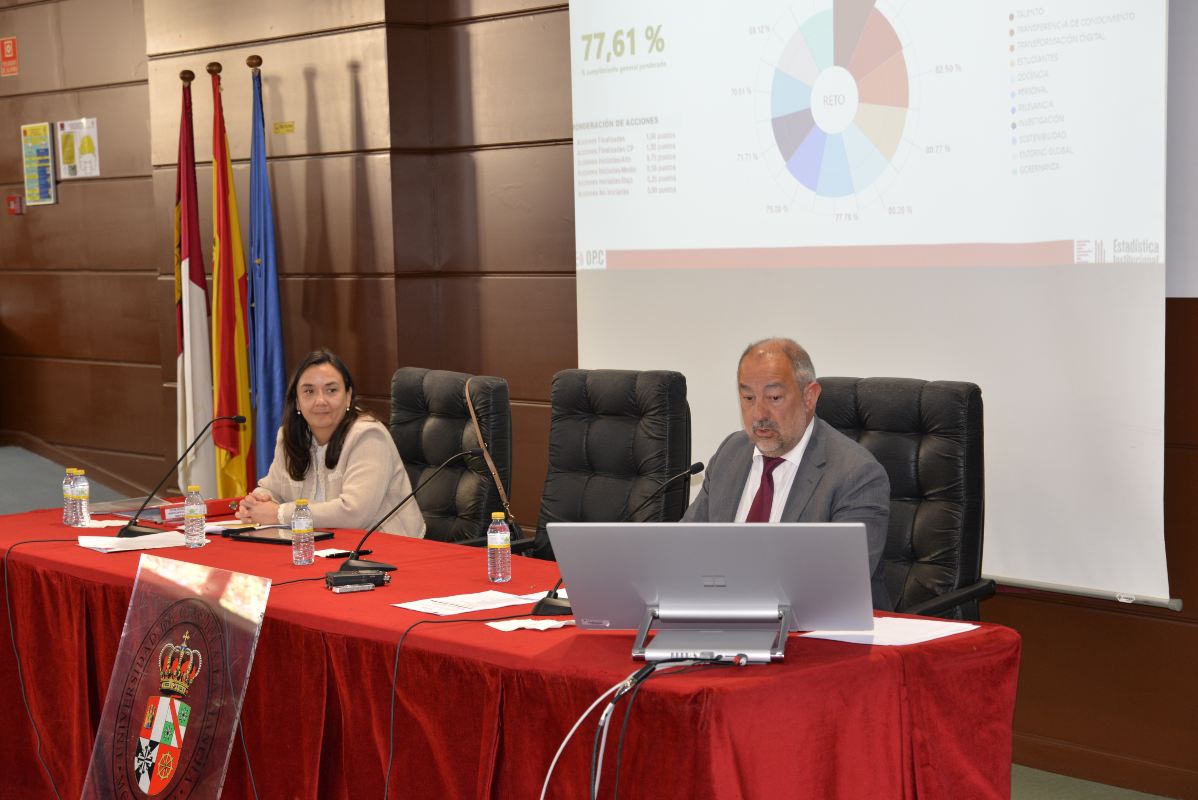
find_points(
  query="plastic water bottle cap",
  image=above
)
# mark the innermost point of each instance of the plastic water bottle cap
(496, 515)
(193, 488)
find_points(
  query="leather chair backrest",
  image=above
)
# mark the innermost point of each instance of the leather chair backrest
(614, 437)
(928, 437)
(429, 423)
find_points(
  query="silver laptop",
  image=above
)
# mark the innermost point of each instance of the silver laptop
(715, 590)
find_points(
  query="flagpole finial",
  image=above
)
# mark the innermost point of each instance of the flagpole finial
(187, 76)
(254, 62)
(214, 68)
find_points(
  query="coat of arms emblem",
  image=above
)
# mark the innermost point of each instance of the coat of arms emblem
(158, 754)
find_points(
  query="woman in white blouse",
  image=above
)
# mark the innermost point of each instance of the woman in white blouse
(334, 454)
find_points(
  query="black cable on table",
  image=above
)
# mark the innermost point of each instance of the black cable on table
(17, 656)
(634, 682)
(241, 709)
(620, 740)
(628, 712)
(395, 681)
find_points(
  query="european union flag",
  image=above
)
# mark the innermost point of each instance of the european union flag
(267, 380)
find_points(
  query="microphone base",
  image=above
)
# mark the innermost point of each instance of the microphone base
(552, 607)
(358, 564)
(133, 529)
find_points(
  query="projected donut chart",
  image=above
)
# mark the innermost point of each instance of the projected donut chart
(839, 99)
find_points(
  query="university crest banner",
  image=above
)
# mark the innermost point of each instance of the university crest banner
(178, 682)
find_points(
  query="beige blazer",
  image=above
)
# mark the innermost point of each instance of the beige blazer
(367, 482)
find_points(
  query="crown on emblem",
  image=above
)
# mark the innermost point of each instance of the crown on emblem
(178, 666)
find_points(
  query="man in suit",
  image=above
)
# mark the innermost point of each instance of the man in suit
(788, 466)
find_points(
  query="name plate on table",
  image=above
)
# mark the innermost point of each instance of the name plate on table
(178, 682)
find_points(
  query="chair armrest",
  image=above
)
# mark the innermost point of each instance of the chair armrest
(523, 546)
(519, 546)
(949, 600)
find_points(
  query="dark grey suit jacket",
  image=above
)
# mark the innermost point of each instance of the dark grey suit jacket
(838, 481)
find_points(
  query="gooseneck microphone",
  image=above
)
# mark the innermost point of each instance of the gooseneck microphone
(132, 528)
(551, 604)
(693, 469)
(353, 563)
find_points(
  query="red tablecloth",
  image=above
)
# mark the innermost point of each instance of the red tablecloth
(480, 713)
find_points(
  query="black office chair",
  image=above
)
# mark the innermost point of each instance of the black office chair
(614, 438)
(928, 437)
(429, 423)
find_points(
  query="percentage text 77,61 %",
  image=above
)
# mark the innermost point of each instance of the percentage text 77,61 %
(621, 43)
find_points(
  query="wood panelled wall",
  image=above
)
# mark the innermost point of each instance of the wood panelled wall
(424, 217)
(423, 193)
(79, 315)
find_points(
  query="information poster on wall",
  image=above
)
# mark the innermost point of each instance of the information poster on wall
(39, 164)
(78, 149)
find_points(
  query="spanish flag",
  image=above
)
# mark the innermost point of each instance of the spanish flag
(230, 338)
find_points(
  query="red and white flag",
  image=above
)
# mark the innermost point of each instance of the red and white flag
(193, 357)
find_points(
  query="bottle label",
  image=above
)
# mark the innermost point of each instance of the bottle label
(499, 539)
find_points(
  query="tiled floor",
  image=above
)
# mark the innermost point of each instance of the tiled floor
(28, 482)
(1034, 784)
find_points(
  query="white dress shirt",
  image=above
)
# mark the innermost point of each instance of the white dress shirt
(784, 478)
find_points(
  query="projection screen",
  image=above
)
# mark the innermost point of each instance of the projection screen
(941, 189)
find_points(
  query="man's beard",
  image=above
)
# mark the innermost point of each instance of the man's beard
(770, 425)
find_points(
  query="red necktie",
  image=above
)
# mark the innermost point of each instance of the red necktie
(763, 502)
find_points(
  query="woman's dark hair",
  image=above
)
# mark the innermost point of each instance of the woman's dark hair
(297, 436)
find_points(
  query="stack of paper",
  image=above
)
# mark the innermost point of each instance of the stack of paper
(115, 544)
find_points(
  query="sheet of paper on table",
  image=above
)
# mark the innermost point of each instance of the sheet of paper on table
(896, 631)
(115, 544)
(475, 601)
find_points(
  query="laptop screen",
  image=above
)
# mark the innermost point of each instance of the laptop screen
(715, 576)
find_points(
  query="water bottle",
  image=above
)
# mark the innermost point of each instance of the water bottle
(83, 491)
(68, 498)
(499, 550)
(303, 546)
(194, 510)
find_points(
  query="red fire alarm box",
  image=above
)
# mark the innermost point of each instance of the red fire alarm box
(15, 204)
